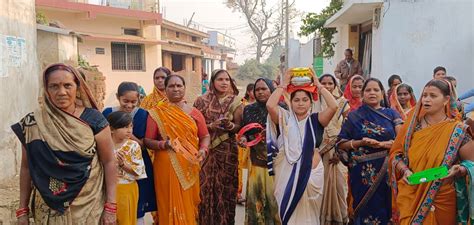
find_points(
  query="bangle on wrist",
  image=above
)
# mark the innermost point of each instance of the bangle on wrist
(402, 168)
(352, 145)
(110, 207)
(232, 126)
(22, 212)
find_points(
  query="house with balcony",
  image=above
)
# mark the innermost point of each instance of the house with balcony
(182, 51)
(409, 38)
(221, 49)
(121, 38)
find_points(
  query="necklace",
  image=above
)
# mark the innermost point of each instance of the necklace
(429, 124)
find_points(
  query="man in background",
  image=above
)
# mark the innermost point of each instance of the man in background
(347, 68)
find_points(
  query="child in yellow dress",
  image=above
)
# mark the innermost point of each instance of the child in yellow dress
(131, 167)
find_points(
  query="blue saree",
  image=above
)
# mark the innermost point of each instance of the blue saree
(368, 166)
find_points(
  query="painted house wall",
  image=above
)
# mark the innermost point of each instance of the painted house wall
(414, 45)
(112, 26)
(413, 39)
(19, 84)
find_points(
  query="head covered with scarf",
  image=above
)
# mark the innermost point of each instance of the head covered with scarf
(395, 103)
(60, 146)
(257, 112)
(212, 88)
(433, 146)
(151, 100)
(354, 102)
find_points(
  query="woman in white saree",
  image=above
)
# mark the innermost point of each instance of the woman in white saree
(292, 136)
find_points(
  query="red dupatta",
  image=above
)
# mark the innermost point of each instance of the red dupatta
(354, 102)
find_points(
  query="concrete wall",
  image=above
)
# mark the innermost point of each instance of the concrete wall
(19, 89)
(420, 35)
(53, 48)
(300, 55)
(169, 33)
(341, 38)
(414, 37)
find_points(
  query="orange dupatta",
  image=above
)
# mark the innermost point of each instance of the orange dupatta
(420, 150)
(395, 104)
(152, 100)
(182, 130)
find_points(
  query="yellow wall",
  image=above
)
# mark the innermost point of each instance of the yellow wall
(107, 25)
(354, 41)
(114, 78)
(170, 34)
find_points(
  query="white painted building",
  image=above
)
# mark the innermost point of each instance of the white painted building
(407, 37)
(221, 47)
(301, 54)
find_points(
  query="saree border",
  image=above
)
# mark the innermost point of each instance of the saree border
(185, 183)
(371, 191)
(449, 158)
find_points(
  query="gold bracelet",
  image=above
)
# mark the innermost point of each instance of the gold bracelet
(352, 146)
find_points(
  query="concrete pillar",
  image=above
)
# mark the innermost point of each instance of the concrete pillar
(354, 40)
(198, 66)
(188, 63)
(167, 60)
(153, 53)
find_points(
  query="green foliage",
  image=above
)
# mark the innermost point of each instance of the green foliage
(252, 70)
(314, 22)
(274, 57)
(83, 63)
(41, 19)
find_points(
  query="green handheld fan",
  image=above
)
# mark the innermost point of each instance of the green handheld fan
(428, 175)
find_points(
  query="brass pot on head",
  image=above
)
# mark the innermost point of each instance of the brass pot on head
(301, 76)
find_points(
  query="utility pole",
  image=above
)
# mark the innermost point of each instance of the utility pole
(190, 20)
(287, 36)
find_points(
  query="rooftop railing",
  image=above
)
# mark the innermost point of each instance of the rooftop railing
(141, 5)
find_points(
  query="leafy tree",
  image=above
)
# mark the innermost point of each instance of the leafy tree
(252, 70)
(314, 22)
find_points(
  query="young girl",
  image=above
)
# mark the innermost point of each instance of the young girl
(131, 167)
(128, 98)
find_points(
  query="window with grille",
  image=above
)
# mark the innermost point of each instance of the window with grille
(127, 56)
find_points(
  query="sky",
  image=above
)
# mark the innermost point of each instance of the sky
(214, 15)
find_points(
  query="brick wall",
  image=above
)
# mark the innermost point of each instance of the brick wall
(96, 82)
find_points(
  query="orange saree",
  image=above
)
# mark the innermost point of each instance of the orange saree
(152, 100)
(432, 203)
(176, 176)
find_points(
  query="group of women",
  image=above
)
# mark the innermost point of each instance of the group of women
(329, 157)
